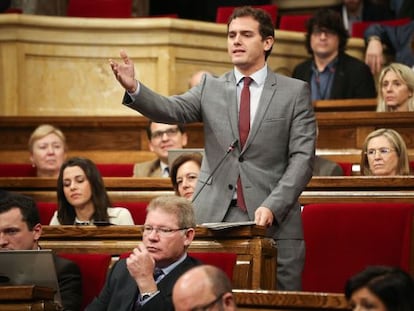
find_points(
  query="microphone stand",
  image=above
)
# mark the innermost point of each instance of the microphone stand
(230, 149)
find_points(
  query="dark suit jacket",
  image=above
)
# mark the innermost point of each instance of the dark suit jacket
(398, 38)
(325, 167)
(353, 78)
(120, 291)
(70, 283)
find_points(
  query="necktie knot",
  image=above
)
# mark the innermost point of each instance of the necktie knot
(247, 81)
(157, 273)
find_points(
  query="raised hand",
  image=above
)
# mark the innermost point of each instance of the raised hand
(124, 72)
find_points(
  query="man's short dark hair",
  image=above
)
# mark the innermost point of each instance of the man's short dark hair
(26, 205)
(330, 20)
(181, 128)
(266, 27)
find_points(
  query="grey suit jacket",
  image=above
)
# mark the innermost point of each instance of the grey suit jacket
(277, 160)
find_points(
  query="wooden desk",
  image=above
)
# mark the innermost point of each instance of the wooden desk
(255, 300)
(318, 190)
(27, 297)
(256, 254)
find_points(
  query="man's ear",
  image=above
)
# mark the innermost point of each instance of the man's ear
(189, 236)
(184, 139)
(37, 232)
(228, 301)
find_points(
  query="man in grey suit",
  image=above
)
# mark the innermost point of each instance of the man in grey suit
(274, 164)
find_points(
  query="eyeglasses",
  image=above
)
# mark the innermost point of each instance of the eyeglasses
(382, 152)
(318, 31)
(161, 231)
(171, 132)
(206, 307)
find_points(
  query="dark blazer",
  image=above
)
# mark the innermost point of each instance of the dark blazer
(353, 78)
(120, 291)
(398, 38)
(325, 167)
(70, 283)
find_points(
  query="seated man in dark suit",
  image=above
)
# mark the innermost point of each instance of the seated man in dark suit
(330, 72)
(20, 229)
(161, 138)
(144, 281)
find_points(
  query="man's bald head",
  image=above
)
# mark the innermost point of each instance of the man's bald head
(196, 78)
(203, 286)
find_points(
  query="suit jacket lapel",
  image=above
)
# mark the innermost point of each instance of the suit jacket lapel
(268, 91)
(231, 100)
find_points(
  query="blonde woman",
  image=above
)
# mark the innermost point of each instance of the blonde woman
(47, 147)
(396, 88)
(384, 153)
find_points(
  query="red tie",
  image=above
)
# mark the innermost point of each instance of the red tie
(244, 128)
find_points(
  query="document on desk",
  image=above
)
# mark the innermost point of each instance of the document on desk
(226, 225)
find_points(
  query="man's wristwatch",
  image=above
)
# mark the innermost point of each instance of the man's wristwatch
(147, 295)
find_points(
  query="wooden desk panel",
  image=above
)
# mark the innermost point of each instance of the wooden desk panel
(255, 300)
(256, 254)
(27, 297)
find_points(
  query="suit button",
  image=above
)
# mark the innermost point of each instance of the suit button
(241, 159)
(231, 187)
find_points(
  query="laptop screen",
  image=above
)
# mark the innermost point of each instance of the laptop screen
(29, 267)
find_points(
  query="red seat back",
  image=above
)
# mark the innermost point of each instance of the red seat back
(358, 28)
(46, 211)
(116, 169)
(94, 268)
(138, 210)
(346, 168)
(343, 238)
(223, 12)
(100, 8)
(17, 170)
(294, 22)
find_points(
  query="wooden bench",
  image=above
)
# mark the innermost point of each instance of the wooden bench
(256, 254)
(257, 300)
(120, 139)
(336, 105)
(319, 189)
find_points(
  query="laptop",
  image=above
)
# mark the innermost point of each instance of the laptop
(175, 153)
(29, 267)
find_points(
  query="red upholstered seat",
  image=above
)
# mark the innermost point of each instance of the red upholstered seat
(346, 168)
(224, 12)
(94, 268)
(294, 22)
(17, 170)
(116, 169)
(138, 210)
(358, 28)
(224, 261)
(46, 211)
(100, 8)
(343, 238)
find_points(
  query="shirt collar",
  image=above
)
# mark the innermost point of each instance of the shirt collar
(171, 267)
(258, 77)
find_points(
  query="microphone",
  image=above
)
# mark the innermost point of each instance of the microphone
(229, 149)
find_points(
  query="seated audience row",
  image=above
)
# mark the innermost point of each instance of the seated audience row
(133, 282)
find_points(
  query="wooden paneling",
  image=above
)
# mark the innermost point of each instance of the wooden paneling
(256, 254)
(255, 300)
